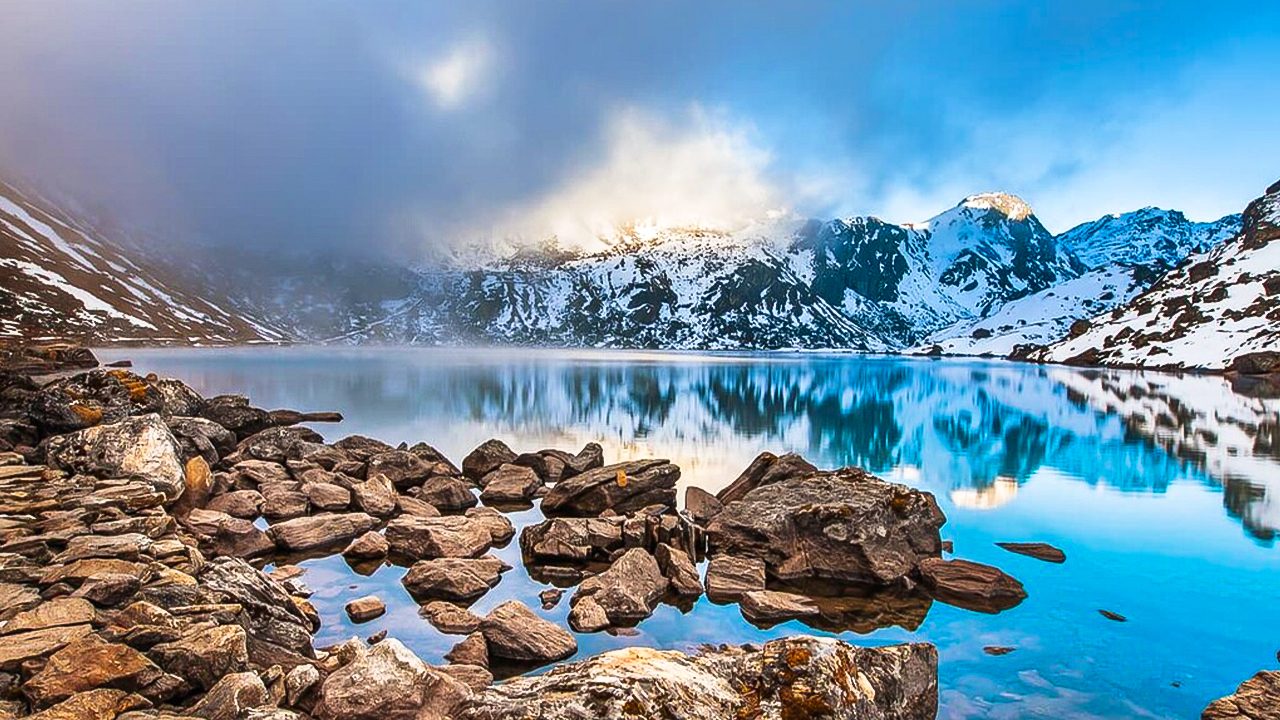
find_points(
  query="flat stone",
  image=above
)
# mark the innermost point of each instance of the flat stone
(55, 613)
(20, 647)
(971, 585)
(425, 538)
(81, 570)
(767, 607)
(1037, 550)
(458, 579)
(729, 578)
(622, 488)
(86, 664)
(365, 609)
(449, 618)
(319, 531)
(100, 704)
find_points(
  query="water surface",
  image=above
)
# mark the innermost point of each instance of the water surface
(1163, 490)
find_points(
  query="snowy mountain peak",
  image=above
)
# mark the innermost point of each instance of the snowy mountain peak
(1011, 206)
(1151, 237)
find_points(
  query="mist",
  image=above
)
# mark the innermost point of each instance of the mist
(404, 127)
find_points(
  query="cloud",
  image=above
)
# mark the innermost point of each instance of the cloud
(458, 76)
(698, 168)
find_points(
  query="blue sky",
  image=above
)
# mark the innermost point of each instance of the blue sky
(416, 123)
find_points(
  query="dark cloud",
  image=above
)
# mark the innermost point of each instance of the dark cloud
(334, 124)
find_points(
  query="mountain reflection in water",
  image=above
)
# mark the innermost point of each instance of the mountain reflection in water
(1163, 490)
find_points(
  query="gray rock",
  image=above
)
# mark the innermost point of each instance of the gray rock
(622, 488)
(799, 677)
(271, 615)
(140, 447)
(845, 526)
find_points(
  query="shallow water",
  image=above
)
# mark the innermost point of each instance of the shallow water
(1164, 491)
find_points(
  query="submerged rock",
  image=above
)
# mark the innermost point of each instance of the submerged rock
(792, 678)
(843, 526)
(622, 488)
(971, 585)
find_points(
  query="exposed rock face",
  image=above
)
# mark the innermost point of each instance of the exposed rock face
(514, 633)
(971, 585)
(388, 682)
(626, 593)
(486, 458)
(766, 469)
(141, 447)
(457, 579)
(624, 487)
(1257, 698)
(842, 526)
(800, 677)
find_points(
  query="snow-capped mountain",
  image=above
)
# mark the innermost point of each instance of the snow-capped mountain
(63, 275)
(1150, 237)
(1212, 308)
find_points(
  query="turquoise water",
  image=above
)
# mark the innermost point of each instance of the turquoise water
(1163, 490)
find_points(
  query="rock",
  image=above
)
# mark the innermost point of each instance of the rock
(514, 633)
(475, 677)
(388, 682)
(232, 697)
(510, 484)
(365, 609)
(202, 438)
(768, 608)
(425, 538)
(846, 526)
(81, 570)
(90, 663)
(701, 505)
(729, 578)
(1037, 550)
(766, 469)
(486, 458)
(299, 681)
(402, 468)
(571, 539)
(16, 598)
(550, 597)
(623, 488)
(627, 592)
(282, 502)
(55, 613)
(361, 448)
(412, 506)
(222, 534)
(430, 454)
(500, 528)
(369, 546)
(456, 579)
(998, 650)
(590, 457)
(91, 398)
(971, 585)
(473, 650)
(1256, 363)
(331, 498)
(108, 590)
(271, 615)
(139, 447)
(103, 704)
(679, 569)
(375, 496)
(1117, 617)
(20, 647)
(263, 473)
(234, 413)
(1257, 698)
(317, 531)
(448, 494)
(244, 504)
(205, 655)
(787, 679)
(276, 444)
(449, 618)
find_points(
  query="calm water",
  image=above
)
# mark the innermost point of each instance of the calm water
(1164, 491)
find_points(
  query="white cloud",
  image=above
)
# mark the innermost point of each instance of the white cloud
(701, 170)
(459, 75)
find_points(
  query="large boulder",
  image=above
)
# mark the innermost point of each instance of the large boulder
(423, 538)
(202, 437)
(510, 484)
(515, 634)
(624, 487)
(1257, 698)
(456, 579)
(203, 656)
(388, 682)
(624, 594)
(222, 534)
(92, 398)
(846, 526)
(486, 458)
(791, 678)
(766, 469)
(140, 447)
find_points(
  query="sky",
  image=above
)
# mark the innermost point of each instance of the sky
(407, 126)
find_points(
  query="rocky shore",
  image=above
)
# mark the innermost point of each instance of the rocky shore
(136, 518)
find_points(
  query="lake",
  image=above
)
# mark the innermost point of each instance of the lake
(1163, 490)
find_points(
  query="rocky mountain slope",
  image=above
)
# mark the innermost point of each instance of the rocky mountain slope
(1150, 237)
(65, 276)
(1216, 306)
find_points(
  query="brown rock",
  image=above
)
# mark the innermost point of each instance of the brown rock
(327, 497)
(369, 546)
(245, 504)
(205, 655)
(90, 663)
(365, 609)
(375, 496)
(1037, 550)
(767, 607)
(679, 569)
(513, 632)
(388, 682)
(449, 618)
(92, 705)
(448, 494)
(472, 650)
(320, 530)
(701, 505)
(971, 585)
(766, 469)
(627, 592)
(20, 647)
(729, 578)
(510, 484)
(459, 579)
(425, 538)
(55, 613)
(1257, 698)
(486, 458)
(623, 488)
(232, 698)
(222, 534)
(475, 677)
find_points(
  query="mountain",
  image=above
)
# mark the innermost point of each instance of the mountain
(1150, 237)
(64, 275)
(1211, 309)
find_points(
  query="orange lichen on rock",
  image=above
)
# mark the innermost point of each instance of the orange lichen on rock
(88, 415)
(137, 388)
